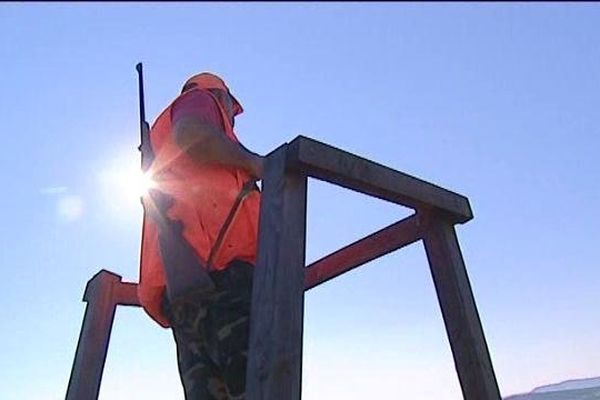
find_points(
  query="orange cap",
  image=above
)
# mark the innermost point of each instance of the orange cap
(206, 80)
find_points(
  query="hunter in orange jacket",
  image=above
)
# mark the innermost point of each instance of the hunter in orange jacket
(205, 172)
(202, 184)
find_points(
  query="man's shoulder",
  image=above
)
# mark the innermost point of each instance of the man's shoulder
(198, 103)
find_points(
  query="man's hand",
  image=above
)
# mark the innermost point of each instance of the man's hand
(258, 164)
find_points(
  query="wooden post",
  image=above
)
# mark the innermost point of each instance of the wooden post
(86, 374)
(275, 353)
(465, 333)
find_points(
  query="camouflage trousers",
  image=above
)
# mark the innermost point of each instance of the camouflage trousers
(211, 334)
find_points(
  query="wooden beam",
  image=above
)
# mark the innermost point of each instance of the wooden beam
(88, 365)
(333, 165)
(275, 353)
(378, 244)
(463, 326)
(125, 294)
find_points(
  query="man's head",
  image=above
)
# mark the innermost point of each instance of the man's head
(218, 88)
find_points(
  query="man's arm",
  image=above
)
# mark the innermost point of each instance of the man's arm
(207, 144)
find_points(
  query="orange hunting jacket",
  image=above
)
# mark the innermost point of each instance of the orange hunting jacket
(203, 196)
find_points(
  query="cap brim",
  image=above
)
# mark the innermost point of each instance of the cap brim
(237, 107)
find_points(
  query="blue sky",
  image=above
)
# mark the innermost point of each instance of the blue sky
(498, 102)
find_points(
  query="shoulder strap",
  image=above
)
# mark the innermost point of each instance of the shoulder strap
(244, 192)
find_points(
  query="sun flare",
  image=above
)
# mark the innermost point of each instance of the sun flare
(124, 184)
(132, 183)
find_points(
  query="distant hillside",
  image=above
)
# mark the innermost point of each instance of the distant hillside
(569, 385)
(579, 389)
(575, 394)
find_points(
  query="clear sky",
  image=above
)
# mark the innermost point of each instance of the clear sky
(498, 102)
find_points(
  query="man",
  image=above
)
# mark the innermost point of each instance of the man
(209, 180)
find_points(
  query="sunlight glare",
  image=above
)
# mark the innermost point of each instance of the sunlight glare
(124, 184)
(130, 184)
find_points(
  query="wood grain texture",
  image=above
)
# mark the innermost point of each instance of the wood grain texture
(380, 243)
(463, 326)
(333, 165)
(90, 357)
(275, 354)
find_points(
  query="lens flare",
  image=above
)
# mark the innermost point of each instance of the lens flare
(141, 183)
(130, 184)
(70, 208)
(124, 184)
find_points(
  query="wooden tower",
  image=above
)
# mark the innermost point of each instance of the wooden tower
(281, 276)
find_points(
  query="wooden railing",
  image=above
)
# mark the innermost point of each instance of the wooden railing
(281, 277)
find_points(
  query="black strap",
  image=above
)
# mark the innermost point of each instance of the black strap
(246, 189)
(182, 266)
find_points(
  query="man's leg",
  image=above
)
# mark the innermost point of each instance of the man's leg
(200, 375)
(230, 316)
